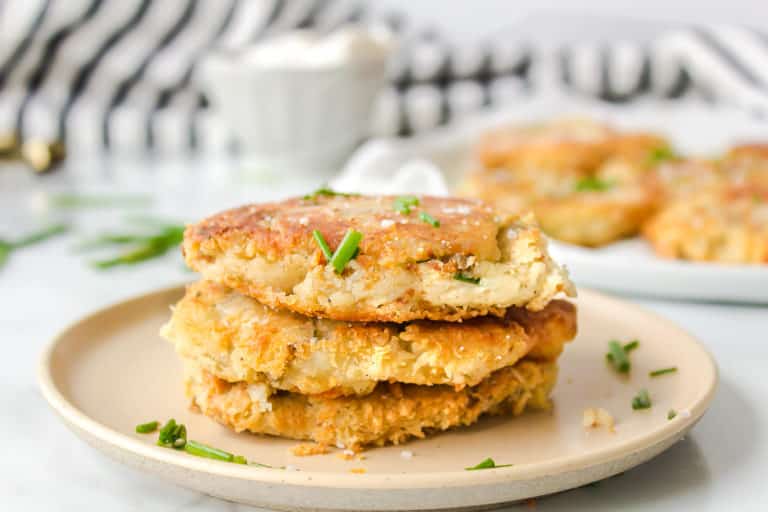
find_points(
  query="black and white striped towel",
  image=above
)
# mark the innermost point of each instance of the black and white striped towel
(119, 75)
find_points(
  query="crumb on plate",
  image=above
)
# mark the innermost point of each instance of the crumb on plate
(307, 449)
(596, 417)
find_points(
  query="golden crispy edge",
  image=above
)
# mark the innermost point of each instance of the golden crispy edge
(273, 346)
(712, 226)
(393, 413)
(278, 230)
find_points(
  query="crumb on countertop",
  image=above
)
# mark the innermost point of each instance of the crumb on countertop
(596, 417)
(307, 449)
(358, 471)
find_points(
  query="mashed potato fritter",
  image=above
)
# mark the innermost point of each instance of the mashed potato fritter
(392, 413)
(728, 226)
(235, 338)
(405, 269)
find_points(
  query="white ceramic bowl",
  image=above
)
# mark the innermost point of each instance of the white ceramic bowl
(295, 119)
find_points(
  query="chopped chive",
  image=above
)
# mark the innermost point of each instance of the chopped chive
(671, 414)
(165, 437)
(258, 464)
(617, 356)
(179, 436)
(346, 250)
(328, 192)
(403, 204)
(662, 371)
(661, 154)
(203, 450)
(71, 201)
(107, 240)
(146, 246)
(40, 236)
(460, 276)
(487, 464)
(592, 184)
(425, 217)
(138, 255)
(5, 250)
(239, 459)
(146, 428)
(632, 345)
(323, 244)
(642, 400)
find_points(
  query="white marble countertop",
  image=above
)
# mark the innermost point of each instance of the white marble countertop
(42, 289)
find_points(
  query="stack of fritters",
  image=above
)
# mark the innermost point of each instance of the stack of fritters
(447, 311)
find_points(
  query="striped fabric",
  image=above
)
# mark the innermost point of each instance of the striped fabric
(120, 75)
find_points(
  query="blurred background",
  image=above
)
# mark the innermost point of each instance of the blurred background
(187, 106)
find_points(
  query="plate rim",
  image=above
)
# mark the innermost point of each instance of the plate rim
(78, 420)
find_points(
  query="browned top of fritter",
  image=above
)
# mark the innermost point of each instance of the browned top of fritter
(273, 230)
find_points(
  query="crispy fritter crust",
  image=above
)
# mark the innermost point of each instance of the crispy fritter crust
(237, 339)
(539, 168)
(393, 413)
(405, 267)
(563, 146)
(685, 178)
(728, 225)
(588, 218)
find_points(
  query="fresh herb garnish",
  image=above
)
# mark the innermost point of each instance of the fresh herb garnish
(209, 452)
(632, 345)
(346, 251)
(7, 246)
(72, 201)
(425, 217)
(326, 191)
(460, 276)
(617, 356)
(145, 246)
(172, 435)
(642, 400)
(323, 244)
(671, 414)
(661, 154)
(146, 428)
(592, 184)
(662, 371)
(403, 204)
(487, 464)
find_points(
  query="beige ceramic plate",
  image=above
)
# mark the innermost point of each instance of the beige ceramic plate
(111, 371)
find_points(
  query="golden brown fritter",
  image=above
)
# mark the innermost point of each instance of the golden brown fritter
(596, 218)
(591, 211)
(235, 338)
(565, 146)
(586, 183)
(405, 269)
(685, 178)
(729, 225)
(393, 413)
(562, 145)
(747, 165)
